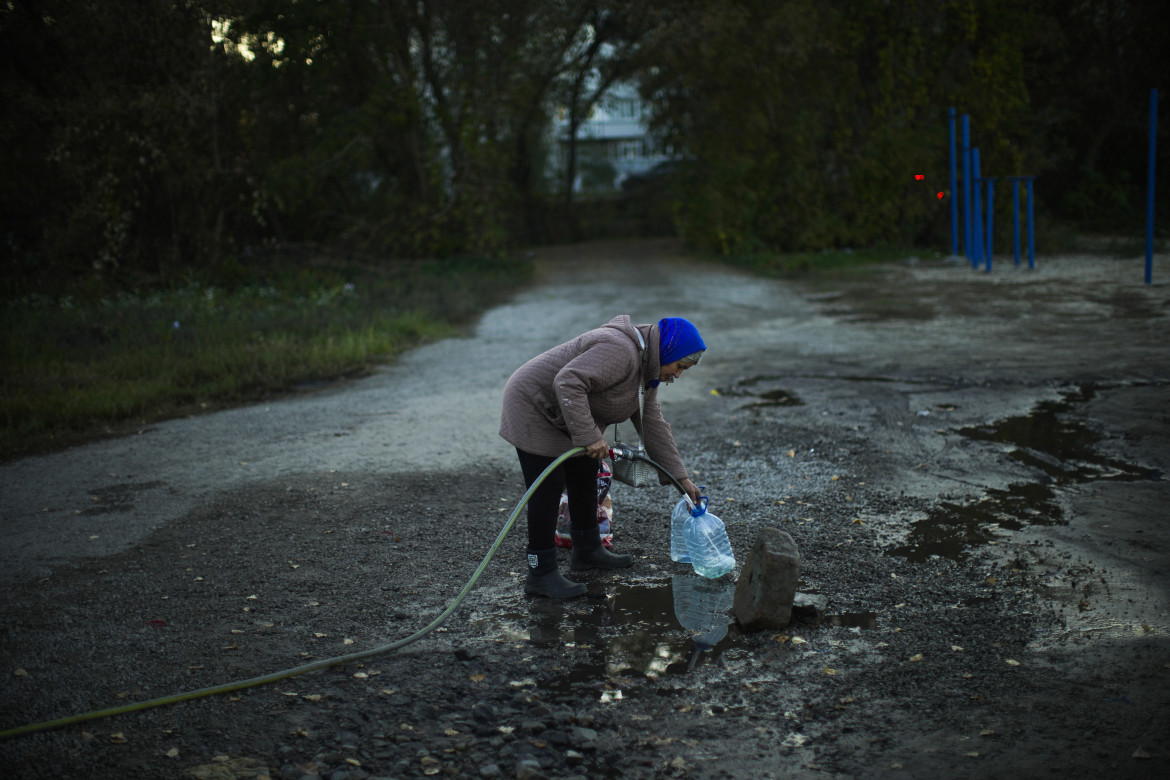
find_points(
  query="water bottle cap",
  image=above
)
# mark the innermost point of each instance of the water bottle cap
(700, 507)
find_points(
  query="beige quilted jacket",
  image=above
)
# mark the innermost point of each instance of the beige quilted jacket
(567, 396)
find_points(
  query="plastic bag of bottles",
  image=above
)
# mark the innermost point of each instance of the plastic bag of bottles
(604, 511)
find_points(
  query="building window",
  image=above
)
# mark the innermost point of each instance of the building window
(629, 150)
(625, 109)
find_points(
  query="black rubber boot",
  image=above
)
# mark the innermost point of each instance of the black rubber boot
(545, 580)
(589, 553)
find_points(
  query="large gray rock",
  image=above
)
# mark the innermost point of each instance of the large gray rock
(767, 582)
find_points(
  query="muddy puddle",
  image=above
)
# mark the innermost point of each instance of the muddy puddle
(630, 636)
(769, 395)
(638, 638)
(1050, 439)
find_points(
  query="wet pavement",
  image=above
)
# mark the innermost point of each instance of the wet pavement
(972, 465)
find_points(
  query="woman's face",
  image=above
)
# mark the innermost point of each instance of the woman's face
(672, 371)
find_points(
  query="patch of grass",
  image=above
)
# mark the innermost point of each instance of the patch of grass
(1120, 246)
(824, 264)
(79, 368)
(851, 274)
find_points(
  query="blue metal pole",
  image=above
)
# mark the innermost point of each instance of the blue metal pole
(954, 204)
(1016, 218)
(976, 212)
(968, 249)
(1150, 186)
(1031, 229)
(990, 222)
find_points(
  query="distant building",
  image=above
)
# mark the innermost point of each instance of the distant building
(614, 142)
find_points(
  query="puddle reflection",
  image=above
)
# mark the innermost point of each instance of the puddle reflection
(1049, 439)
(867, 621)
(635, 636)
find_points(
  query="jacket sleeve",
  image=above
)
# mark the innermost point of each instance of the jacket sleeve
(598, 368)
(659, 440)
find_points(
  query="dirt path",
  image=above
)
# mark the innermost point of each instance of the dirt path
(972, 465)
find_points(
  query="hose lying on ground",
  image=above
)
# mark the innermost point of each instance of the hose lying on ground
(326, 662)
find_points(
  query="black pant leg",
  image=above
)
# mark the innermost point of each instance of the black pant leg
(545, 500)
(581, 480)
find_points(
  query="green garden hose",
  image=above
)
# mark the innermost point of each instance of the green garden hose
(316, 665)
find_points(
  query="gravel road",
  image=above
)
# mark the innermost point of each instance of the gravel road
(972, 466)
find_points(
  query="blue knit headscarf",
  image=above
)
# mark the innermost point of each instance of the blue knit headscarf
(677, 339)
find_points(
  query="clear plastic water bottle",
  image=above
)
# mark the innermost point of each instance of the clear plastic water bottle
(707, 542)
(678, 518)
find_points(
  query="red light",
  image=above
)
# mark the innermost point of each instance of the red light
(919, 177)
(940, 196)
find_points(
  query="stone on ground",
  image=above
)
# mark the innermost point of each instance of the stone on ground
(767, 582)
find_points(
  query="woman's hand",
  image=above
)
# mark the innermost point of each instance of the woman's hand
(598, 449)
(692, 491)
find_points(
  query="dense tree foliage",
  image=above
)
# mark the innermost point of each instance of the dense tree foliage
(1090, 67)
(117, 139)
(164, 137)
(811, 133)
